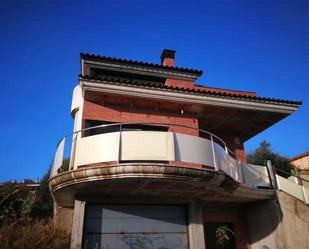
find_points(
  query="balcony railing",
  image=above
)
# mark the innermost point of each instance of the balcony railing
(130, 142)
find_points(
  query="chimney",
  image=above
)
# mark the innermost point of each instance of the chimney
(168, 57)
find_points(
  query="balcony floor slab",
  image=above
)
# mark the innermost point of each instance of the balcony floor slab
(149, 179)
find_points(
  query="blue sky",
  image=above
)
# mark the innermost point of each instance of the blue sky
(256, 45)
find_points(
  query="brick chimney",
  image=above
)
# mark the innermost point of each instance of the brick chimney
(168, 57)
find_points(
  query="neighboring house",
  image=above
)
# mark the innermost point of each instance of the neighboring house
(156, 161)
(301, 163)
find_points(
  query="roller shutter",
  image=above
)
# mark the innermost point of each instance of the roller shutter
(135, 227)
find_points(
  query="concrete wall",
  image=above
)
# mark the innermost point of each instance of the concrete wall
(278, 224)
(63, 217)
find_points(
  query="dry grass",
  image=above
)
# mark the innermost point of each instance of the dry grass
(39, 234)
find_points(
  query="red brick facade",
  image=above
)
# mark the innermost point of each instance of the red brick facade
(168, 62)
(125, 110)
(190, 85)
(134, 112)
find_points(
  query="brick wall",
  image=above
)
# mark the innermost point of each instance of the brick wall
(190, 85)
(179, 83)
(125, 109)
(234, 144)
(127, 113)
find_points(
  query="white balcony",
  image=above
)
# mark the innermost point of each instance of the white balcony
(125, 146)
(118, 153)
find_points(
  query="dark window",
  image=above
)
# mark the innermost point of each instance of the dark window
(100, 130)
(115, 128)
(127, 76)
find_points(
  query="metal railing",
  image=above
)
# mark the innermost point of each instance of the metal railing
(291, 184)
(205, 149)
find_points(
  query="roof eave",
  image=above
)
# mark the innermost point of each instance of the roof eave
(189, 97)
(177, 72)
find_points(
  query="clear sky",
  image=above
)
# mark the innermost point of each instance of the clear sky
(256, 45)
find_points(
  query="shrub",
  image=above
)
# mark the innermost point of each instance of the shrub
(42, 206)
(30, 234)
(25, 218)
(15, 202)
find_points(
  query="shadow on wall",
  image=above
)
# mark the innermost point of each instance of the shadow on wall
(263, 219)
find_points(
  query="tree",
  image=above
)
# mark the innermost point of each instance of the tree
(264, 152)
(43, 205)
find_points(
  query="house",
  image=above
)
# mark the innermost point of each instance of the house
(301, 165)
(301, 161)
(157, 161)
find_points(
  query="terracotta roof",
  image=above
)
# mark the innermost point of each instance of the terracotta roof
(139, 63)
(299, 156)
(207, 91)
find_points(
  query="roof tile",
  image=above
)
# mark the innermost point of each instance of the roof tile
(133, 62)
(189, 90)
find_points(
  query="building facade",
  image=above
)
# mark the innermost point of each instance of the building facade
(301, 166)
(301, 161)
(157, 161)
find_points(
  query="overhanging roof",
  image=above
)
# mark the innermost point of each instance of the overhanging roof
(201, 92)
(133, 65)
(235, 113)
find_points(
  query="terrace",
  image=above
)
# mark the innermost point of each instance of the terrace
(148, 158)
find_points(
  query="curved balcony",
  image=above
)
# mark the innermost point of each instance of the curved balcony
(147, 159)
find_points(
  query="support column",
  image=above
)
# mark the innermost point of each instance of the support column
(63, 217)
(196, 226)
(78, 223)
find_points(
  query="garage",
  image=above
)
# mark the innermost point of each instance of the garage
(135, 227)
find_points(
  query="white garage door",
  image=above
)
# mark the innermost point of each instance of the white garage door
(135, 227)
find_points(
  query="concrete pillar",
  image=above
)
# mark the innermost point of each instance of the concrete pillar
(196, 226)
(63, 218)
(78, 223)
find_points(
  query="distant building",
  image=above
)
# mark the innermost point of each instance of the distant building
(301, 162)
(156, 161)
